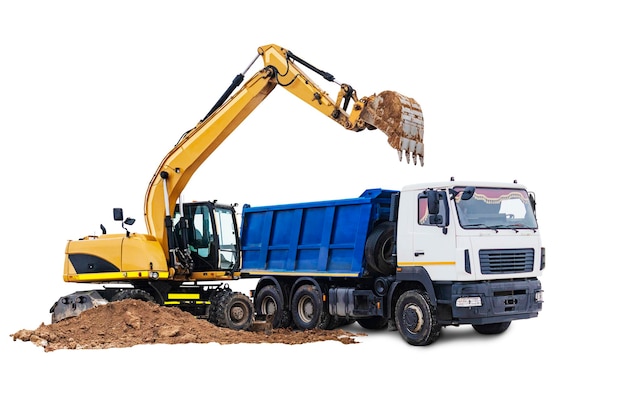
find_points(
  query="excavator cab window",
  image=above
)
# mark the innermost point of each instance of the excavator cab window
(200, 235)
(226, 228)
(211, 235)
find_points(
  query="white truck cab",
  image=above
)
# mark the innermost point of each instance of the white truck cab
(476, 249)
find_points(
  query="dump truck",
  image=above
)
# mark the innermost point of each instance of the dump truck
(416, 260)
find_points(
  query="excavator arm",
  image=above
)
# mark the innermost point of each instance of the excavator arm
(399, 117)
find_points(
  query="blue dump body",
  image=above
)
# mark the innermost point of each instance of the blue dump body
(325, 238)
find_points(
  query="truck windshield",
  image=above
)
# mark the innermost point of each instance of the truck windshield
(495, 208)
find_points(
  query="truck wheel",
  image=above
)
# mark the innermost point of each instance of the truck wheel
(268, 301)
(379, 249)
(329, 322)
(493, 328)
(416, 319)
(234, 311)
(133, 294)
(306, 307)
(373, 323)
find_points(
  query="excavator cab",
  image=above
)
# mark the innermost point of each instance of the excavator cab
(208, 233)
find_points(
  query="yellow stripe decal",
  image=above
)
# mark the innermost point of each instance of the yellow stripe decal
(183, 296)
(426, 263)
(113, 276)
(302, 273)
(174, 302)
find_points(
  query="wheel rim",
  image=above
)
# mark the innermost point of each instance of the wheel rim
(306, 309)
(237, 313)
(268, 307)
(413, 318)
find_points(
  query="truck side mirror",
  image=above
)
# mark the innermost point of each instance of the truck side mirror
(435, 219)
(437, 216)
(468, 193)
(433, 201)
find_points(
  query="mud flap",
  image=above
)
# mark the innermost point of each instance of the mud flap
(73, 304)
(401, 119)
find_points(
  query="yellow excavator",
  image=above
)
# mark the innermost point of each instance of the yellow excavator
(191, 250)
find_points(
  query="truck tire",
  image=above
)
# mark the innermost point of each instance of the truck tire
(133, 294)
(234, 311)
(269, 301)
(373, 323)
(329, 322)
(493, 328)
(416, 319)
(306, 307)
(379, 249)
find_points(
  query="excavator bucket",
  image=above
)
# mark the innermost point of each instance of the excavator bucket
(401, 119)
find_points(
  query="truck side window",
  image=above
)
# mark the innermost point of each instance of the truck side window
(423, 213)
(425, 217)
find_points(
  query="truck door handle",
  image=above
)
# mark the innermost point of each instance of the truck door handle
(419, 253)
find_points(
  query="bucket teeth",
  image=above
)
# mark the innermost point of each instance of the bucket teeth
(401, 119)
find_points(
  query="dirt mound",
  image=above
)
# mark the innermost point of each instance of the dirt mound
(132, 322)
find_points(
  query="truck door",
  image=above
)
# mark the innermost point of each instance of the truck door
(433, 240)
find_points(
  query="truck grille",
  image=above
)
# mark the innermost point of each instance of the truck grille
(506, 261)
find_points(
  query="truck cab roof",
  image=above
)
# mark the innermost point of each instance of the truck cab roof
(451, 184)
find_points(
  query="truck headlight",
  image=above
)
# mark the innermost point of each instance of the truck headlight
(469, 302)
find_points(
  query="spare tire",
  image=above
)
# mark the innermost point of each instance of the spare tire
(379, 248)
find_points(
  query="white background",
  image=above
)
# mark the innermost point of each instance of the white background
(93, 94)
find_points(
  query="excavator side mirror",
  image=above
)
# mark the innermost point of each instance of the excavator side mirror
(118, 214)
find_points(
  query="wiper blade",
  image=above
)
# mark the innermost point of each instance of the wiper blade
(480, 225)
(477, 225)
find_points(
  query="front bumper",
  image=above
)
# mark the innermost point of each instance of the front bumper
(500, 301)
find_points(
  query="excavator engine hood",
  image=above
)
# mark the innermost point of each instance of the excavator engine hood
(401, 119)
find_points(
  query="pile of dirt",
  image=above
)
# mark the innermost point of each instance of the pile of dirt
(133, 322)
